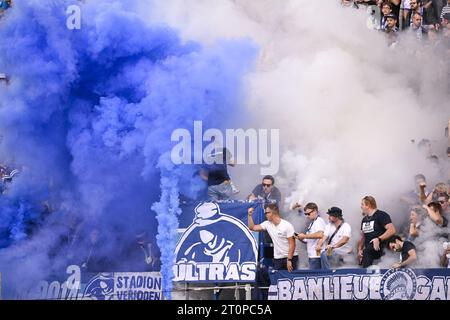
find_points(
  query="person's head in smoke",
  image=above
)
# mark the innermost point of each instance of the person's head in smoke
(435, 213)
(271, 211)
(425, 147)
(391, 22)
(432, 34)
(94, 236)
(445, 20)
(311, 210)
(142, 237)
(386, 8)
(335, 214)
(417, 20)
(368, 205)
(440, 189)
(443, 200)
(434, 159)
(415, 5)
(416, 214)
(436, 207)
(420, 180)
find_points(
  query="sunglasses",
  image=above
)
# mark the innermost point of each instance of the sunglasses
(308, 213)
(266, 185)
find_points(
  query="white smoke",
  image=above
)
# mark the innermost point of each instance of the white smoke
(347, 105)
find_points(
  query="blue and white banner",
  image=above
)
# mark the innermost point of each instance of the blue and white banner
(102, 286)
(216, 245)
(361, 284)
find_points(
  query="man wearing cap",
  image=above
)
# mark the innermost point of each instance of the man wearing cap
(391, 23)
(336, 239)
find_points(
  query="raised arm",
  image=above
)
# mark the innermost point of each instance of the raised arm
(251, 224)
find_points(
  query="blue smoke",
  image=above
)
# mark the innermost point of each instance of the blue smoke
(87, 117)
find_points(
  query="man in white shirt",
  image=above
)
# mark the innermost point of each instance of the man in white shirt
(312, 235)
(336, 239)
(282, 234)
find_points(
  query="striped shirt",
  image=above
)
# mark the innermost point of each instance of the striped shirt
(445, 10)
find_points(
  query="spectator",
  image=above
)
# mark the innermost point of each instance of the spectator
(445, 10)
(266, 191)
(443, 200)
(419, 194)
(406, 9)
(416, 26)
(408, 253)
(415, 7)
(440, 189)
(445, 258)
(141, 255)
(386, 9)
(94, 260)
(433, 38)
(376, 227)
(425, 148)
(395, 8)
(434, 210)
(438, 5)
(337, 235)
(445, 21)
(430, 13)
(391, 29)
(312, 235)
(216, 174)
(415, 223)
(282, 234)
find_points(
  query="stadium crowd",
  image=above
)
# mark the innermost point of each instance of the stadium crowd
(328, 244)
(426, 20)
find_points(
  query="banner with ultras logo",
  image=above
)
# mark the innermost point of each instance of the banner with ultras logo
(216, 245)
(361, 284)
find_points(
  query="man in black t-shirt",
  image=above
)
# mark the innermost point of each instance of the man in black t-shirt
(376, 227)
(408, 253)
(216, 174)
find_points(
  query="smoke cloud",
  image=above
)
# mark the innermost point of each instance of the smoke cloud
(346, 103)
(88, 116)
